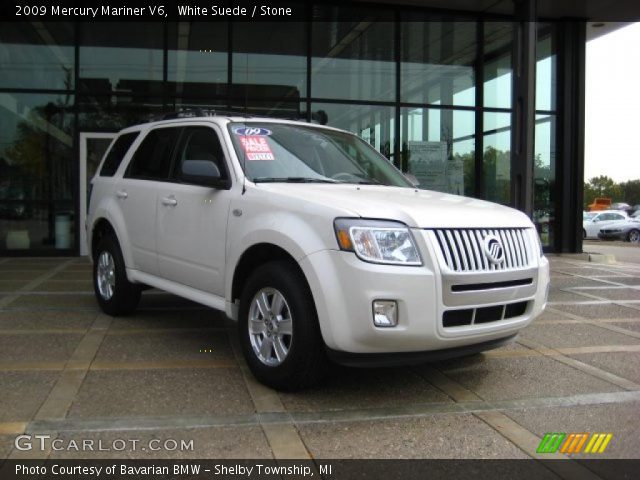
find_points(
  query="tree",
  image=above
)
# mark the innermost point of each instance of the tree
(602, 186)
(631, 192)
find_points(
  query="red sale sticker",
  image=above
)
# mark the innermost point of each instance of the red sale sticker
(256, 148)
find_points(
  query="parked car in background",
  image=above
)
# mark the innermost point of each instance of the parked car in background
(627, 230)
(635, 214)
(621, 206)
(592, 226)
(600, 204)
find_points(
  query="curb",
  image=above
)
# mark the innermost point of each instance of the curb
(604, 258)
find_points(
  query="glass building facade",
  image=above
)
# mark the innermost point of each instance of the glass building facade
(432, 92)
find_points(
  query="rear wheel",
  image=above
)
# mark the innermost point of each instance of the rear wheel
(634, 236)
(278, 328)
(114, 293)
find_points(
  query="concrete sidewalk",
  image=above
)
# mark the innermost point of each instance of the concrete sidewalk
(173, 371)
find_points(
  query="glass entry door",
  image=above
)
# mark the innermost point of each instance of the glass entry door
(93, 146)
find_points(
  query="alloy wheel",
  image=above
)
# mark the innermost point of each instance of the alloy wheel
(270, 326)
(106, 275)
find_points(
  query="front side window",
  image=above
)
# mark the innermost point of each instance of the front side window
(152, 160)
(200, 143)
(272, 152)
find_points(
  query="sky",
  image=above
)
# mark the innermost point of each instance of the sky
(612, 106)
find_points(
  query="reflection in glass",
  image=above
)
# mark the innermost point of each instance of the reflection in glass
(438, 148)
(372, 123)
(546, 68)
(130, 61)
(438, 62)
(37, 195)
(498, 38)
(271, 58)
(352, 59)
(37, 55)
(544, 168)
(197, 58)
(113, 113)
(497, 157)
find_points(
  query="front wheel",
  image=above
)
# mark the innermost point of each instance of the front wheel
(114, 293)
(634, 236)
(278, 328)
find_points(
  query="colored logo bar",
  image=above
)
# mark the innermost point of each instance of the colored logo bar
(574, 442)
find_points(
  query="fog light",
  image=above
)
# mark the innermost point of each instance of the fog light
(385, 313)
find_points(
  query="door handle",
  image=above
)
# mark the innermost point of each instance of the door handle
(169, 201)
(121, 194)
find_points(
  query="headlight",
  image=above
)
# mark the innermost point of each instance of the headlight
(377, 241)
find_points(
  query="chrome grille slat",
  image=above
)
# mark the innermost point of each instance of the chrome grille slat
(462, 250)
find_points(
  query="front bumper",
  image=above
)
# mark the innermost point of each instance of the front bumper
(344, 288)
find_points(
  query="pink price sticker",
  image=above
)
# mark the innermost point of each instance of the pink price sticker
(256, 148)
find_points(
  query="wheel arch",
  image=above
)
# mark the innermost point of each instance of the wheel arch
(255, 256)
(101, 227)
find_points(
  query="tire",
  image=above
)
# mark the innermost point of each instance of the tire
(286, 356)
(114, 293)
(633, 236)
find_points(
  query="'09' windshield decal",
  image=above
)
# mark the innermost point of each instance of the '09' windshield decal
(252, 131)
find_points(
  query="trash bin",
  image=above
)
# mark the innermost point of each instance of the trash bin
(63, 231)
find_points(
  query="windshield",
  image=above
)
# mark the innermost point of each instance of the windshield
(272, 152)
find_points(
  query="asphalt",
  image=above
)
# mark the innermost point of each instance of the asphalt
(173, 371)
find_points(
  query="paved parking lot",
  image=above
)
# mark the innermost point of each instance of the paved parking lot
(173, 371)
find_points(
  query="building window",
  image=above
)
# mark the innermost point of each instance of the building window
(37, 194)
(438, 148)
(372, 123)
(496, 158)
(269, 61)
(544, 173)
(498, 78)
(197, 59)
(37, 55)
(438, 60)
(353, 54)
(129, 60)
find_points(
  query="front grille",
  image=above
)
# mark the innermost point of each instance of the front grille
(463, 250)
(473, 316)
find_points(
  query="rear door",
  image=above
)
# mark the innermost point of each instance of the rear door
(137, 194)
(192, 219)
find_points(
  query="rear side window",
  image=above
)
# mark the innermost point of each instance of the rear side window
(152, 160)
(117, 153)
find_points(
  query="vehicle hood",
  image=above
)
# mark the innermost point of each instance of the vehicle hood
(414, 207)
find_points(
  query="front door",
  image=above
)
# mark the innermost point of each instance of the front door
(93, 146)
(192, 220)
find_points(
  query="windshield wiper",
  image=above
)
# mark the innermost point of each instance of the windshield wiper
(292, 180)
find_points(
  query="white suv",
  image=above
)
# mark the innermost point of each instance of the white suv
(317, 245)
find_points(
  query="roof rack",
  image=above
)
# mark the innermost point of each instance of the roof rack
(202, 112)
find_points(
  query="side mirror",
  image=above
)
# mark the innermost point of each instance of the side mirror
(595, 220)
(203, 172)
(412, 179)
